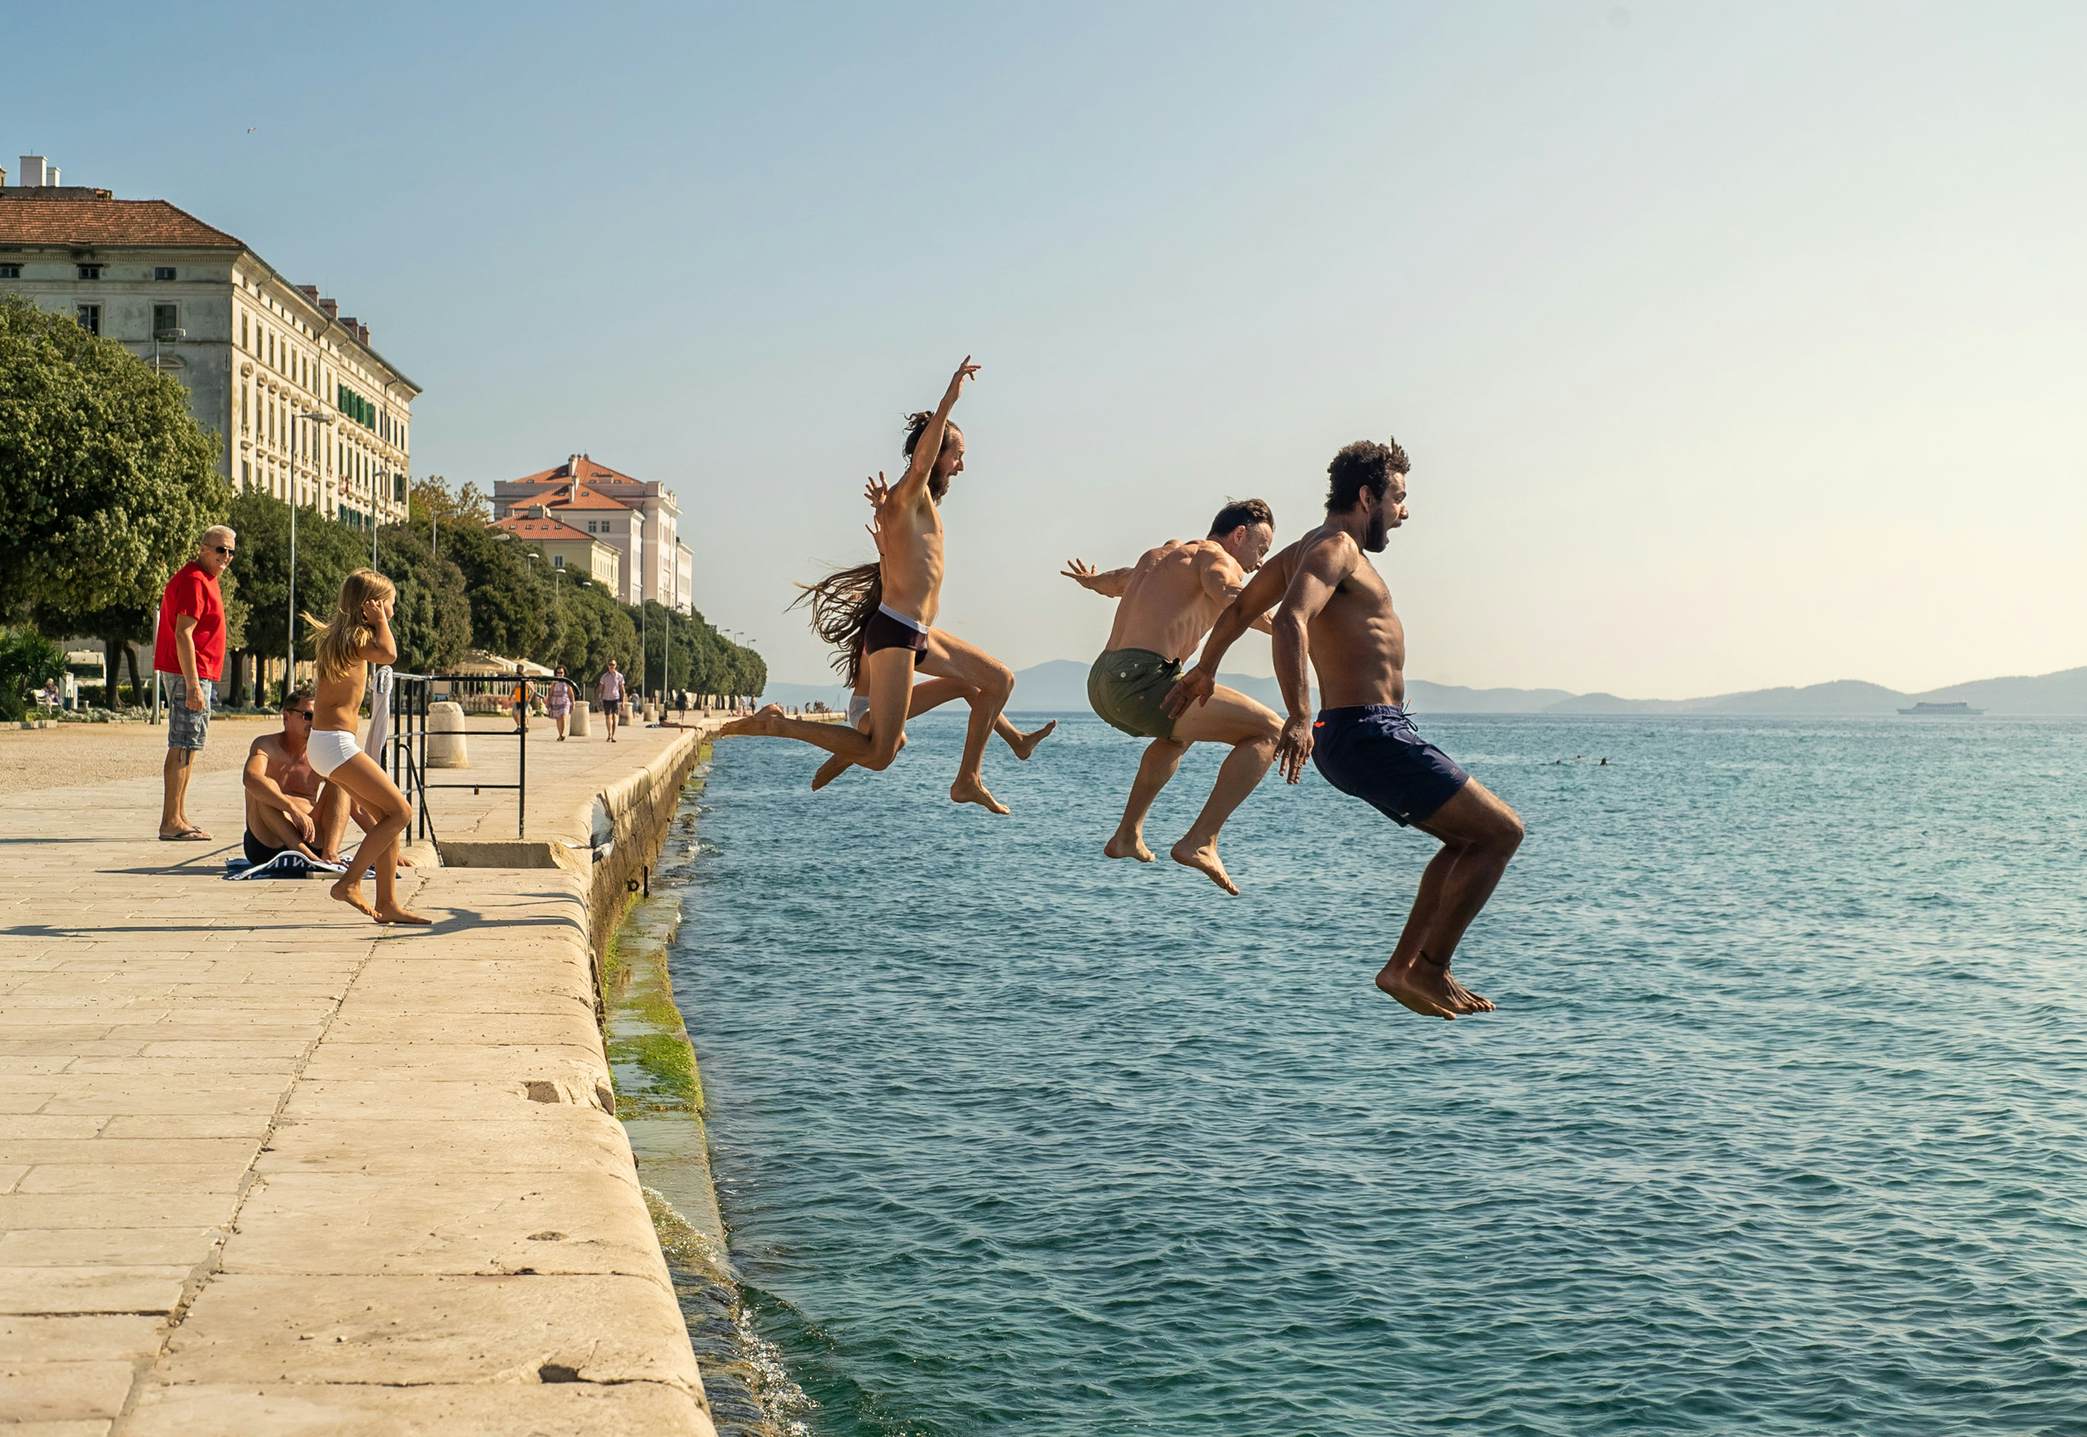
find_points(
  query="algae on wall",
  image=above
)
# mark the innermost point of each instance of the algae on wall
(659, 1098)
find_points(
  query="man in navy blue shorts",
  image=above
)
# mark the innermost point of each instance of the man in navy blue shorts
(1335, 610)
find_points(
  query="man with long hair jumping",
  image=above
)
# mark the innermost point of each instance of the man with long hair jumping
(881, 616)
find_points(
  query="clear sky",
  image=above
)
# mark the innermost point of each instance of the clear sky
(1733, 345)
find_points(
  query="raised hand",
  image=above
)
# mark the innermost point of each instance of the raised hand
(876, 490)
(1193, 687)
(1080, 573)
(966, 370)
(1294, 747)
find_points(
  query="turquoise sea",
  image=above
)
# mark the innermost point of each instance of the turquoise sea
(1781, 1128)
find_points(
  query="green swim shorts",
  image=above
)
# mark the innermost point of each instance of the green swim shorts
(1125, 687)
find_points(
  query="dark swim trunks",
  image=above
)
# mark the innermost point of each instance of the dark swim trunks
(1374, 753)
(257, 852)
(887, 630)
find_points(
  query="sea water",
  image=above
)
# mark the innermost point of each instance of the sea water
(1780, 1128)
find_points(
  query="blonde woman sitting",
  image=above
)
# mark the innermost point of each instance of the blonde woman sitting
(357, 635)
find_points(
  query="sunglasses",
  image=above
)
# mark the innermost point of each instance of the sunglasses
(228, 553)
(306, 714)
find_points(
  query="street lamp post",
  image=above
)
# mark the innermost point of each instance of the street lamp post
(319, 418)
(170, 336)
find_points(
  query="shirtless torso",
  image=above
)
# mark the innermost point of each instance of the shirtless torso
(1172, 596)
(1356, 642)
(909, 551)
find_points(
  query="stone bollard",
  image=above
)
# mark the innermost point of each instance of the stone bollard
(576, 721)
(446, 736)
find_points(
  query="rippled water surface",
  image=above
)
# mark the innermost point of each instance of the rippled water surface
(1780, 1128)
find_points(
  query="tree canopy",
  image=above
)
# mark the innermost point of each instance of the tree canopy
(106, 480)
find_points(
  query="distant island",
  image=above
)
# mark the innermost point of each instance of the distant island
(1060, 686)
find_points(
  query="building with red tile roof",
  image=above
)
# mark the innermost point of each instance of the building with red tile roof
(568, 548)
(304, 407)
(640, 518)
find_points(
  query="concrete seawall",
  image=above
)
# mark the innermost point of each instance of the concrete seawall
(267, 1167)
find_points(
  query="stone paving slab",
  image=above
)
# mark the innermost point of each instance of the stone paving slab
(266, 1167)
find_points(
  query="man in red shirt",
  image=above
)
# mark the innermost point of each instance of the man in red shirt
(189, 655)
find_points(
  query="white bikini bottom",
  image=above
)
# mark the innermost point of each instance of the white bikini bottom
(858, 709)
(329, 748)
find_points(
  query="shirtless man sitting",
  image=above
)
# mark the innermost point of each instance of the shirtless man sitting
(1169, 599)
(881, 617)
(282, 789)
(1336, 611)
(288, 806)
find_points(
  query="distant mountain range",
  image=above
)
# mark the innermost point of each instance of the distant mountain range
(1060, 686)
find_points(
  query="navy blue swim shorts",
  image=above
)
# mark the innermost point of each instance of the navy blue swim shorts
(1374, 753)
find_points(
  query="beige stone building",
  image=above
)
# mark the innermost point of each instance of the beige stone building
(256, 353)
(638, 518)
(566, 546)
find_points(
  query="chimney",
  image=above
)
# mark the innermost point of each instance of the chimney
(332, 307)
(309, 291)
(3, 177)
(34, 168)
(362, 333)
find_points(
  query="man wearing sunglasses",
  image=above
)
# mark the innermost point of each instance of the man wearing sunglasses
(282, 788)
(189, 655)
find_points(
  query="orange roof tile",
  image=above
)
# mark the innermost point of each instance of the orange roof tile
(88, 217)
(586, 499)
(540, 528)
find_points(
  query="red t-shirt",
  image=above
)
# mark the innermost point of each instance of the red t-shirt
(191, 591)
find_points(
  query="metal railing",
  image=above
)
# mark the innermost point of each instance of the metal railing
(412, 695)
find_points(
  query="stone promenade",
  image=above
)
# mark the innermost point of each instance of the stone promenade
(266, 1167)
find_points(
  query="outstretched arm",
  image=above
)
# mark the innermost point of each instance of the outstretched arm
(1109, 583)
(1320, 570)
(1257, 598)
(929, 445)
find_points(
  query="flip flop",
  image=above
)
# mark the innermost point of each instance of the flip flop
(187, 835)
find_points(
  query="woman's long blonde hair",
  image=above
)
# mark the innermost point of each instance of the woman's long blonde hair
(338, 643)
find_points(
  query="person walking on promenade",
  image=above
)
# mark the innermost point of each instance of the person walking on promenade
(880, 618)
(1337, 614)
(558, 701)
(1167, 602)
(356, 635)
(188, 654)
(519, 700)
(609, 697)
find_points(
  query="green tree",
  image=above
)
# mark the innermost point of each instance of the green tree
(514, 596)
(106, 480)
(594, 629)
(433, 622)
(28, 661)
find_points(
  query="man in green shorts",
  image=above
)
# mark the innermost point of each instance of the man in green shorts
(1168, 601)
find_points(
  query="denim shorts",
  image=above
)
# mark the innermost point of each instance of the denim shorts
(186, 729)
(1373, 752)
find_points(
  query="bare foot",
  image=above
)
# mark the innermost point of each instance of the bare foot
(399, 915)
(755, 725)
(1426, 987)
(1025, 744)
(1131, 847)
(1204, 860)
(349, 891)
(971, 790)
(830, 770)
